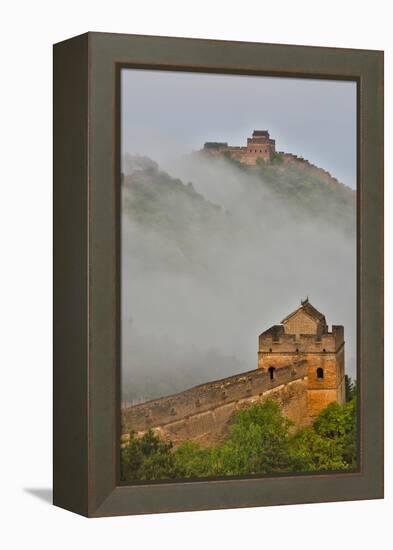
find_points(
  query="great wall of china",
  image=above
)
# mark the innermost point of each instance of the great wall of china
(261, 146)
(301, 366)
(203, 413)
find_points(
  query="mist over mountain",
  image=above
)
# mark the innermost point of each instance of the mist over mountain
(213, 253)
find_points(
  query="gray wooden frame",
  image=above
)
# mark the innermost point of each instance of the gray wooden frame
(86, 272)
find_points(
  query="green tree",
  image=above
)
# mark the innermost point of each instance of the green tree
(338, 423)
(350, 388)
(258, 442)
(193, 460)
(310, 452)
(148, 458)
(277, 158)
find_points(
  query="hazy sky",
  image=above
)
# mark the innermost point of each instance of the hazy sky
(167, 114)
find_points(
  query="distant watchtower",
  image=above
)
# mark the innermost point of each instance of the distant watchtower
(260, 146)
(304, 334)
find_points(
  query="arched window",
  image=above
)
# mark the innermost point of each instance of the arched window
(319, 372)
(271, 372)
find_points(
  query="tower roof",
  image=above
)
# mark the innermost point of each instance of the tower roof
(259, 133)
(309, 309)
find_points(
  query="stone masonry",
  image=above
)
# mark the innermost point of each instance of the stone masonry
(300, 366)
(304, 335)
(203, 413)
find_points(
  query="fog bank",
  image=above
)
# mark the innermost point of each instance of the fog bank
(213, 260)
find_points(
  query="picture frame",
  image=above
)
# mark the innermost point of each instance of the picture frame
(86, 372)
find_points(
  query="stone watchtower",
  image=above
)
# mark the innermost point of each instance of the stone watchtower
(260, 146)
(304, 334)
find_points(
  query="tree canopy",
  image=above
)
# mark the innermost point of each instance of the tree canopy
(260, 440)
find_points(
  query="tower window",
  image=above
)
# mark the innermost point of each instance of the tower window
(271, 372)
(319, 372)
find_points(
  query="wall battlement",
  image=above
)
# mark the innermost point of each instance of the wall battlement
(300, 365)
(276, 340)
(203, 412)
(302, 163)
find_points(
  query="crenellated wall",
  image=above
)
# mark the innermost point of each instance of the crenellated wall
(275, 340)
(301, 365)
(204, 412)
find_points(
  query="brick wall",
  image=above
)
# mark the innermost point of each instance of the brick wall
(300, 324)
(203, 413)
